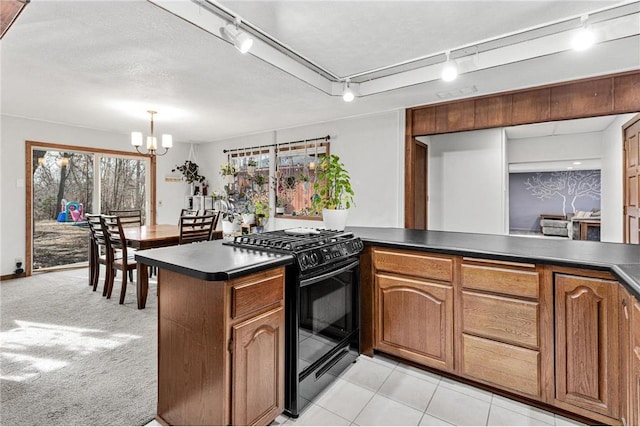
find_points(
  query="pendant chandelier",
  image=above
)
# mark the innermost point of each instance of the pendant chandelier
(152, 143)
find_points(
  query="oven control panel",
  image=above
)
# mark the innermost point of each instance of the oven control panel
(328, 254)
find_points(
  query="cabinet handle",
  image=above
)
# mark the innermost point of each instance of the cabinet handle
(626, 309)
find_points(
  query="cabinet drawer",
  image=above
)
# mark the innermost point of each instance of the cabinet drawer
(500, 318)
(503, 280)
(413, 264)
(255, 292)
(507, 366)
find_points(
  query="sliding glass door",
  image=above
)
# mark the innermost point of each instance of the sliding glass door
(68, 182)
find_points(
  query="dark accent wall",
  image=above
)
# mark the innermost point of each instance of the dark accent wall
(535, 193)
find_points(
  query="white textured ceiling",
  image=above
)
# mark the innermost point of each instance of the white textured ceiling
(102, 64)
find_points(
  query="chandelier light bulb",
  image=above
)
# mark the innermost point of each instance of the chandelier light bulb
(152, 141)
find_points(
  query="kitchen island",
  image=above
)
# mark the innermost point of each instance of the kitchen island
(554, 322)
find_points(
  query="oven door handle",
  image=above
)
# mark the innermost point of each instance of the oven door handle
(316, 279)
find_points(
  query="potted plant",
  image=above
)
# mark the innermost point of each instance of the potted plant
(260, 180)
(334, 195)
(190, 173)
(228, 171)
(251, 166)
(304, 179)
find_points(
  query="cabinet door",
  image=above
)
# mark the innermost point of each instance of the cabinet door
(625, 308)
(635, 365)
(415, 320)
(257, 391)
(587, 343)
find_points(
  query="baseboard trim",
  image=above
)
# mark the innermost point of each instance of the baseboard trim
(12, 276)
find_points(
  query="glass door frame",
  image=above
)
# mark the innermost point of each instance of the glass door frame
(31, 145)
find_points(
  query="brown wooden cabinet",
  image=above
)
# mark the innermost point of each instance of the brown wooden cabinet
(220, 349)
(624, 323)
(502, 332)
(634, 390)
(566, 337)
(414, 306)
(587, 352)
(258, 369)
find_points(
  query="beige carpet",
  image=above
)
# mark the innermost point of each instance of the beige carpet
(68, 356)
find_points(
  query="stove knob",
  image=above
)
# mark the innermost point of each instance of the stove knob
(314, 259)
(304, 260)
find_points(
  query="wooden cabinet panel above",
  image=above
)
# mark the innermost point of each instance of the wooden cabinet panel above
(593, 97)
(613, 94)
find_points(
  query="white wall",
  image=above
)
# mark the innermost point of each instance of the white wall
(612, 181)
(466, 181)
(553, 148)
(15, 131)
(372, 149)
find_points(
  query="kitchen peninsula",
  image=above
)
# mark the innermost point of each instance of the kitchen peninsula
(554, 322)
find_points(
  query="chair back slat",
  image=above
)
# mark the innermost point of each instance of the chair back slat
(216, 215)
(114, 233)
(96, 229)
(196, 228)
(129, 217)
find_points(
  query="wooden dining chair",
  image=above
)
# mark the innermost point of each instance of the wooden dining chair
(99, 252)
(122, 257)
(196, 228)
(128, 217)
(189, 212)
(216, 215)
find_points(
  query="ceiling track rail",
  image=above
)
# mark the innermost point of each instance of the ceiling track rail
(223, 12)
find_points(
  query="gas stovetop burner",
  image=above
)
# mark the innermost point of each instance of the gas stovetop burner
(311, 247)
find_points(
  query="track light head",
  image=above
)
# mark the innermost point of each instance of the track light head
(241, 40)
(347, 93)
(449, 70)
(584, 38)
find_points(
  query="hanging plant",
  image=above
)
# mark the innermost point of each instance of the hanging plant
(190, 172)
(228, 169)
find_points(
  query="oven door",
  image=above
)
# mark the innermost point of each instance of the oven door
(328, 326)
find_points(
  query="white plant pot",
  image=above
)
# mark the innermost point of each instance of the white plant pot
(335, 219)
(248, 219)
(229, 178)
(228, 227)
(251, 170)
(279, 210)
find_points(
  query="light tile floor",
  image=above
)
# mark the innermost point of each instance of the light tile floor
(381, 392)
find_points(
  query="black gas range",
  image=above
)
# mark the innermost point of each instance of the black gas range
(321, 306)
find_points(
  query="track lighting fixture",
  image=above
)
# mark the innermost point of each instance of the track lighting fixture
(241, 40)
(347, 93)
(449, 69)
(584, 38)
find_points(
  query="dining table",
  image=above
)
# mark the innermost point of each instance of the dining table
(150, 237)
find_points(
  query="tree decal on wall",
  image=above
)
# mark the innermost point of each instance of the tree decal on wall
(566, 185)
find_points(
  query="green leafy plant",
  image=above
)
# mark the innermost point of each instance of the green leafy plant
(190, 172)
(333, 185)
(260, 180)
(252, 162)
(228, 169)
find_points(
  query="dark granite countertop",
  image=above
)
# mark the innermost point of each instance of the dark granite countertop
(214, 261)
(622, 260)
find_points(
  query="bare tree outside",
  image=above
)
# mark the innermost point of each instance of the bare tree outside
(63, 188)
(566, 185)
